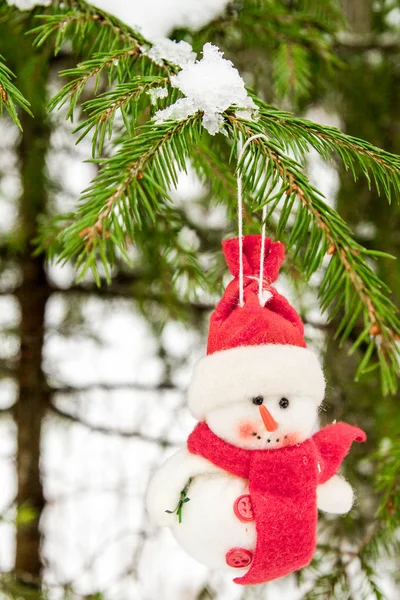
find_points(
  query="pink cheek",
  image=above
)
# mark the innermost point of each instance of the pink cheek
(291, 439)
(246, 429)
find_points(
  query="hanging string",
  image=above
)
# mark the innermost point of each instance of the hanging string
(240, 229)
(262, 257)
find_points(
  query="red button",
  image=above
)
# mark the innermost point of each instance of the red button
(238, 558)
(243, 508)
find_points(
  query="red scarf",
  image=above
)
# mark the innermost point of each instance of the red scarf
(282, 486)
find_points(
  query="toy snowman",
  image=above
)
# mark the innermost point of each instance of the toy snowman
(243, 494)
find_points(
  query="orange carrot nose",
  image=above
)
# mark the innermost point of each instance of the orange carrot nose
(269, 421)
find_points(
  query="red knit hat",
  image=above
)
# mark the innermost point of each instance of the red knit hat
(274, 323)
(258, 348)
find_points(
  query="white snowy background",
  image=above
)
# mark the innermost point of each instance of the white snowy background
(96, 532)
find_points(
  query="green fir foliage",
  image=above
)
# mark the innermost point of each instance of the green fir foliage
(130, 194)
(10, 96)
(104, 91)
(299, 41)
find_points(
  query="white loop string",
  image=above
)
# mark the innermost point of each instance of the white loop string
(240, 232)
(262, 256)
(240, 229)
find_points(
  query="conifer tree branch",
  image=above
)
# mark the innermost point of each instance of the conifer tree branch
(294, 39)
(125, 97)
(132, 185)
(297, 135)
(213, 170)
(132, 171)
(79, 21)
(388, 482)
(349, 283)
(129, 204)
(116, 51)
(83, 24)
(94, 68)
(10, 96)
(129, 192)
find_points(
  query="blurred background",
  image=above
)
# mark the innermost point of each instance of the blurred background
(92, 380)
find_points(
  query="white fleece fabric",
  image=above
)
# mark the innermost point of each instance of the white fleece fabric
(335, 496)
(170, 479)
(209, 527)
(241, 373)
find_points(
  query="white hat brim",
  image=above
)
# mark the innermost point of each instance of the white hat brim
(247, 371)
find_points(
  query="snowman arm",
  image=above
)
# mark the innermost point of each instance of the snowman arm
(170, 479)
(335, 496)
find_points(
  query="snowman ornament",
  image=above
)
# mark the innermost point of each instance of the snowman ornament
(244, 492)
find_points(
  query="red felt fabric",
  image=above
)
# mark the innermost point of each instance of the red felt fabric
(274, 253)
(282, 486)
(275, 323)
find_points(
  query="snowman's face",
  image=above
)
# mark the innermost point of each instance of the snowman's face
(264, 422)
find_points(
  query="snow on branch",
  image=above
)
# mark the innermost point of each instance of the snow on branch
(178, 53)
(210, 85)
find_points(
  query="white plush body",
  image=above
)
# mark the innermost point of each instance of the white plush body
(209, 527)
(257, 398)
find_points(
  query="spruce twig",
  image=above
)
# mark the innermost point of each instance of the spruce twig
(10, 96)
(349, 283)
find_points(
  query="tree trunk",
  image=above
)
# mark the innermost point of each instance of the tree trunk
(32, 399)
(29, 411)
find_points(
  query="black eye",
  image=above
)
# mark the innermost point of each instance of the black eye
(258, 400)
(283, 402)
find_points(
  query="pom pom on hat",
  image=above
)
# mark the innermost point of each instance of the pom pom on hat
(259, 347)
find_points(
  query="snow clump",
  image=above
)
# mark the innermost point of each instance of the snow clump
(177, 53)
(28, 4)
(156, 93)
(210, 85)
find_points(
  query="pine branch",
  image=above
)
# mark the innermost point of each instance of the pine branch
(87, 27)
(129, 194)
(118, 65)
(388, 482)
(297, 37)
(116, 52)
(92, 32)
(212, 170)
(128, 98)
(308, 23)
(10, 96)
(343, 568)
(297, 135)
(369, 587)
(349, 284)
(291, 71)
(12, 588)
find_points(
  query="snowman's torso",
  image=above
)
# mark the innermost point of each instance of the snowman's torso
(213, 521)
